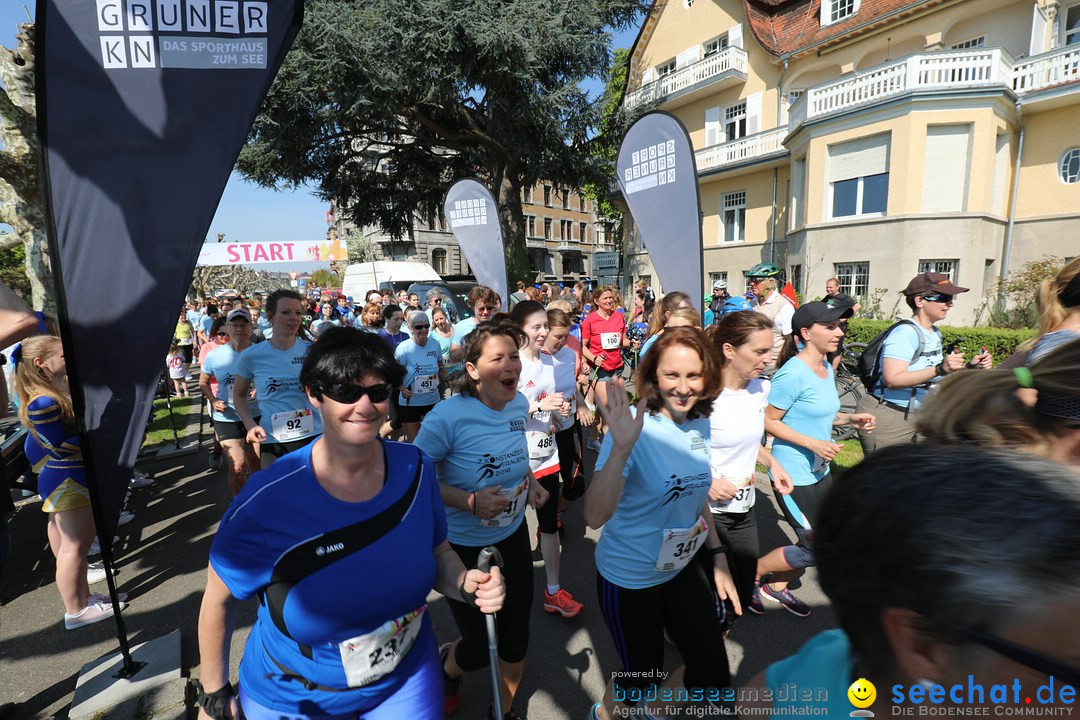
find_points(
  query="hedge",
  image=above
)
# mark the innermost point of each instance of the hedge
(1000, 342)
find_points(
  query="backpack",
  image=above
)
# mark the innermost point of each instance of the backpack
(868, 366)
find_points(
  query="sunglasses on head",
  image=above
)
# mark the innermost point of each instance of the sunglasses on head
(347, 393)
(938, 297)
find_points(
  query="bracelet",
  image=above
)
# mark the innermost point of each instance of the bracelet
(467, 597)
(216, 704)
(719, 550)
(939, 371)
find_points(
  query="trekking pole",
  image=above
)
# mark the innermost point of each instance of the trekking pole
(488, 557)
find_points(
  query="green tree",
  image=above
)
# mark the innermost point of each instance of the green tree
(1019, 291)
(382, 105)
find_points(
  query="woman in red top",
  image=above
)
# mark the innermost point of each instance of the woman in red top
(603, 336)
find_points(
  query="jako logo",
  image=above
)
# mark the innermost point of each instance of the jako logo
(189, 32)
(327, 549)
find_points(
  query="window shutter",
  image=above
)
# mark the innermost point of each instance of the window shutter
(1001, 175)
(858, 158)
(1038, 31)
(688, 57)
(753, 113)
(713, 129)
(734, 37)
(648, 75)
(945, 170)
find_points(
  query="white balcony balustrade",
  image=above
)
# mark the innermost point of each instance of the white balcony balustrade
(729, 63)
(747, 149)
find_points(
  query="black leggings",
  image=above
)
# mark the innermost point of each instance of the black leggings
(739, 533)
(801, 509)
(547, 515)
(569, 443)
(513, 620)
(687, 607)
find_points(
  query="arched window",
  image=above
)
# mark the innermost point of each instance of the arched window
(438, 260)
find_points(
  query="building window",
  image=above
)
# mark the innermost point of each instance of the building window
(646, 280)
(1070, 166)
(438, 261)
(714, 46)
(566, 230)
(1072, 25)
(547, 195)
(665, 69)
(714, 277)
(547, 228)
(794, 95)
(526, 194)
(567, 265)
(945, 267)
(970, 44)
(854, 278)
(530, 230)
(833, 11)
(581, 203)
(735, 121)
(796, 277)
(583, 232)
(566, 200)
(860, 196)
(734, 228)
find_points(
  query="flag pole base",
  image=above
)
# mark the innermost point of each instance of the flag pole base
(103, 692)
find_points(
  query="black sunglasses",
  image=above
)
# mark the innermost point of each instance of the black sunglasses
(347, 393)
(421, 327)
(938, 297)
(1024, 656)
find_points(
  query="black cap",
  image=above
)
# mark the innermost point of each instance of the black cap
(818, 312)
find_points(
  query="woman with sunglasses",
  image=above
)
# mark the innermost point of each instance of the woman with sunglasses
(477, 438)
(951, 594)
(288, 420)
(216, 384)
(342, 542)
(421, 357)
(912, 361)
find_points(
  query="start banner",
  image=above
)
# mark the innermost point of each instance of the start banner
(271, 252)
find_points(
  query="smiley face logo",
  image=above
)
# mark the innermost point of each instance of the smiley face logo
(862, 693)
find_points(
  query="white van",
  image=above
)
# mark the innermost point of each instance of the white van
(393, 274)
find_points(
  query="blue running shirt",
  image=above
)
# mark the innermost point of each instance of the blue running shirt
(276, 377)
(811, 404)
(222, 363)
(421, 363)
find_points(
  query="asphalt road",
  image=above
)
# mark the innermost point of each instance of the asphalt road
(162, 559)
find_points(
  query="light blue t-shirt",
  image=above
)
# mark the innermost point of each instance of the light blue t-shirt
(476, 447)
(1048, 343)
(826, 662)
(263, 323)
(319, 325)
(462, 329)
(193, 317)
(810, 404)
(421, 365)
(206, 323)
(647, 344)
(902, 344)
(667, 482)
(276, 376)
(222, 363)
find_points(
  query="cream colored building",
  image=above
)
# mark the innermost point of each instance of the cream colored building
(872, 139)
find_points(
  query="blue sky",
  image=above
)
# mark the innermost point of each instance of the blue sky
(247, 212)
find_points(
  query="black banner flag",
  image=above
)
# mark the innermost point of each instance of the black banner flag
(143, 106)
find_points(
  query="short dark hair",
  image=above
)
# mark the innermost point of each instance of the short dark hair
(218, 325)
(389, 310)
(342, 354)
(647, 385)
(920, 527)
(473, 348)
(524, 309)
(211, 309)
(279, 295)
(484, 294)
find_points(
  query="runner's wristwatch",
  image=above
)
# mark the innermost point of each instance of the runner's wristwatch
(216, 704)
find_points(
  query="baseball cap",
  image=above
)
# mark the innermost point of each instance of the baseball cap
(238, 313)
(931, 282)
(817, 312)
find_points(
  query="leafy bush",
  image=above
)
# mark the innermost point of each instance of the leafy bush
(1000, 342)
(1020, 289)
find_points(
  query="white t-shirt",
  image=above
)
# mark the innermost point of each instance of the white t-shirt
(536, 382)
(565, 363)
(736, 427)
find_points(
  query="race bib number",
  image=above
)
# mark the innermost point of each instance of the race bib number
(424, 384)
(679, 546)
(371, 657)
(610, 341)
(292, 424)
(742, 502)
(517, 497)
(820, 465)
(541, 445)
(543, 416)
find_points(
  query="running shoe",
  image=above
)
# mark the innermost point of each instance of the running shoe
(563, 603)
(755, 605)
(104, 597)
(95, 573)
(792, 604)
(451, 685)
(95, 547)
(139, 479)
(95, 611)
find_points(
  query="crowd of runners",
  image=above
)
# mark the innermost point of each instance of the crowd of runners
(383, 442)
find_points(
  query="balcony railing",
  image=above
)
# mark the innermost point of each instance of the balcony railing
(569, 244)
(534, 242)
(751, 147)
(727, 62)
(988, 68)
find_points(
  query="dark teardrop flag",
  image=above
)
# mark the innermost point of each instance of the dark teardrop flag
(658, 178)
(474, 218)
(142, 110)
